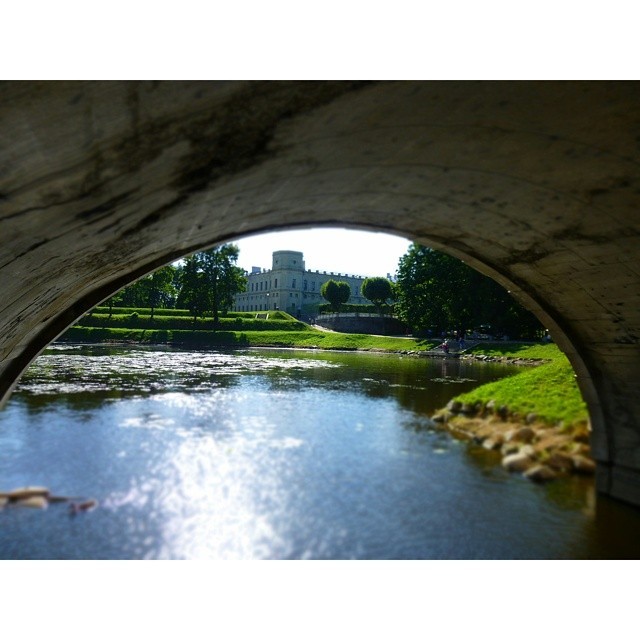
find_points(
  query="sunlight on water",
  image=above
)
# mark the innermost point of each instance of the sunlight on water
(208, 504)
(68, 370)
(259, 454)
(216, 493)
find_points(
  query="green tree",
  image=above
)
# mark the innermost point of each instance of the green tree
(419, 302)
(114, 301)
(133, 295)
(193, 287)
(158, 288)
(438, 292)
(378, 290)
(336, 293)
(210, 279)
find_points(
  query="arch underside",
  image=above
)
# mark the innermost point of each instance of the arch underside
(535, 184)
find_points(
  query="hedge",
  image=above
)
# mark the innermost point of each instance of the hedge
(146, 311)
(134, 321)
(162, 336)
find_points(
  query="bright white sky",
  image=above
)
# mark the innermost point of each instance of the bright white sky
(328, 249)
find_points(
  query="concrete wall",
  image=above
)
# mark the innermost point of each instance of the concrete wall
(535, 184)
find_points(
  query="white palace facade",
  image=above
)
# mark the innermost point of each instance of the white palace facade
(289, 286)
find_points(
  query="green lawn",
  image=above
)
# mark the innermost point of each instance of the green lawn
(310, 338)
(548, 390)
(518, 350)
(334, 340)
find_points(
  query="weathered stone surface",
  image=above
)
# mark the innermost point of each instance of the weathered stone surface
(562, 462)
(509, 448)
(24, 493)
(540, 473)
(493, 442)
(33, 502)
(583, 465)
(469, 409)
(102, 182)
(523, 434)
(517, 462)
(455, 406)
(490, 406)
(443, 416)
(552, 441)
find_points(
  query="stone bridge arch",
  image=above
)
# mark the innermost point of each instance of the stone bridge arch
(534, 183)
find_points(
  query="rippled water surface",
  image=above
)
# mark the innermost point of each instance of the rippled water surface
(275, 454)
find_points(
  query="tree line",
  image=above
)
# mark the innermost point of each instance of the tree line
(204, 283)
(337, 292)
(433, 293)
(437, 293)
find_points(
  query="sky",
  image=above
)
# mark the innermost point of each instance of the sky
(347, 251)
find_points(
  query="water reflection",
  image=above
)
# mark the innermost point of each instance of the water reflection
(84, 377)
(274, 454)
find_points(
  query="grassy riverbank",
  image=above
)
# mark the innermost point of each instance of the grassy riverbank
(535, 421)
(550, 390)
(308, 338)
(264, 329)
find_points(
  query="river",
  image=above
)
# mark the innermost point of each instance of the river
(275, 454)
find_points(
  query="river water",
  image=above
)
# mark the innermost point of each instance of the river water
(275, 454)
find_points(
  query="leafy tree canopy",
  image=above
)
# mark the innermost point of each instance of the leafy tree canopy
(203, 282)
(213, 280)
(158, 287)
(440, 293)
(335, 293)
(378, 290)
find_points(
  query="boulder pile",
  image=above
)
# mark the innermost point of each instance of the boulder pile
(539, 451)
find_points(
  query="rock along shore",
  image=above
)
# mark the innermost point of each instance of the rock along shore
(539, 451)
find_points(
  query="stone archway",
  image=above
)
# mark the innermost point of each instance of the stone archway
(534, 183)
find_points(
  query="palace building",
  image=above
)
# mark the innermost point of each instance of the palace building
(289, 286)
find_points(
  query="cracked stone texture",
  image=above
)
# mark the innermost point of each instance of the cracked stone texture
(536, 184)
